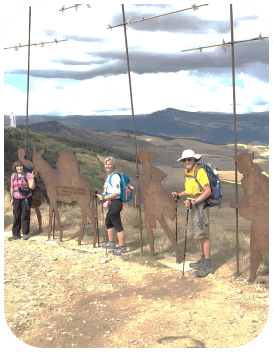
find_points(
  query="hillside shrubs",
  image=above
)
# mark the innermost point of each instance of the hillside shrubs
(92, 169)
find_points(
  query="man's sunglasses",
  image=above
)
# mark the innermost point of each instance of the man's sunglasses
(187, 159)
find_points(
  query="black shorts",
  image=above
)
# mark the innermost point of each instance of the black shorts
(113, 216)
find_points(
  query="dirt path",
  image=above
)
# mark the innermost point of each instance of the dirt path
(61, 297)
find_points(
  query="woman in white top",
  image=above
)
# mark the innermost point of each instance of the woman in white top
(111, 199)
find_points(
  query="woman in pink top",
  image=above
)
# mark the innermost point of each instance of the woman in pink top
(21, 203)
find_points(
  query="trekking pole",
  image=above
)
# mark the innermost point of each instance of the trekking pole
(53, 224)
(176, 221)
(97, 221)
(105, 238)
(186, 234)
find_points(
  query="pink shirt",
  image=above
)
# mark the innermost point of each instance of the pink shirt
(19, 182)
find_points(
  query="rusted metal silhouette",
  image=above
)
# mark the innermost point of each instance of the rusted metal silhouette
(38, 198)
(157, 202)
(66, 184)
(254, 207)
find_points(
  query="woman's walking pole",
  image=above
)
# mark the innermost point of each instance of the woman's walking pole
(97, 220)
(105, 233)
(53, 224)
(186, 234)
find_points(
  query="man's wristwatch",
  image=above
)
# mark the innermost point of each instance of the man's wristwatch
(194, 202)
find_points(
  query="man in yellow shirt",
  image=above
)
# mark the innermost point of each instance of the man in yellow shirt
(198, 223)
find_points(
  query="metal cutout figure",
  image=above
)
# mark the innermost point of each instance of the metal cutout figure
(254, 207)
(157, 202)
(38, 199)
(66, 184)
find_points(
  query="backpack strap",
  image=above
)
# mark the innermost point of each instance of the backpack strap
(110, 183)
(195, 177)
(199, 215)
(11, 196)
(197, 206)
(197, 195)
(15, 178)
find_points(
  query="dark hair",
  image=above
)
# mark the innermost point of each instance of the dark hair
(17, 163)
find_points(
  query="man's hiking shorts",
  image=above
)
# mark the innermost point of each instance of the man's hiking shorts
(194, 226)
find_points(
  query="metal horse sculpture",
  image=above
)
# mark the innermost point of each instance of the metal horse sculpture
(254, 207)
(157, 202)
(66, 184)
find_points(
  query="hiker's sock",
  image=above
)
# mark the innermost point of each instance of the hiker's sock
(207, 263)
(112, 242)
(203, 259)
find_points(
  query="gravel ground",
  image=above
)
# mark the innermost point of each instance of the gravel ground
(59, 296)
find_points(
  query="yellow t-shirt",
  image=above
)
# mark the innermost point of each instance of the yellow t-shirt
(191, 186)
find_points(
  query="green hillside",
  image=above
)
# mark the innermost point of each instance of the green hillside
(86, 153)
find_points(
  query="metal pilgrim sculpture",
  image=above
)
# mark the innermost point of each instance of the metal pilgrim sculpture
(66, 184)
(37, 198)
(157, 202)
(254, 207)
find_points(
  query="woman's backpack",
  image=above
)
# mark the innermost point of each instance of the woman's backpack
(125, 186)
(26, 191)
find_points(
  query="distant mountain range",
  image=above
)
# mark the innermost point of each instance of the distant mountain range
(215, 128)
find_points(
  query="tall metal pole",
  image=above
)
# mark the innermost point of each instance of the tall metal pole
(28, 77)
(133, 117)
(235, 136)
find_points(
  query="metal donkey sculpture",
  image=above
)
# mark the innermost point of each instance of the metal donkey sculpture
(66, 184)
(254, 207)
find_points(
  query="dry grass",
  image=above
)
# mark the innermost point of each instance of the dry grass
(222, 236)
(223, 243)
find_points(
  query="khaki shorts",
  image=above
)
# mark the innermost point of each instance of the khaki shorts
(194, 229)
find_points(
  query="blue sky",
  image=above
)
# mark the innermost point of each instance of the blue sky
(88, 73)
(19, 81)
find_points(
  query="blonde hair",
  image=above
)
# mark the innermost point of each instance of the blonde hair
(110, 158)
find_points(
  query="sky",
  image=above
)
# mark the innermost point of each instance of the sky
(87, 74)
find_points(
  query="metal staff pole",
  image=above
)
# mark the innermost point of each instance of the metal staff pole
(185, 244)
(28, 77)
(193, 7)
(35, 44)
(132, 109)
(235, 137)
(225, 45)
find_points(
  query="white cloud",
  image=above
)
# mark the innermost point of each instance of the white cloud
(151, 92)
(14, 100)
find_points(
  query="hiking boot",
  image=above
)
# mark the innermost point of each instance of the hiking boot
(13, 238)
(204, 271)
(119, 251)
(196, 265)
(109, 245)
(26, 237)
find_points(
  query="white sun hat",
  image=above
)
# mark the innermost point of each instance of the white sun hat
(188, 153)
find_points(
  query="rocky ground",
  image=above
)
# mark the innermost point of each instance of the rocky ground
(58, 295)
